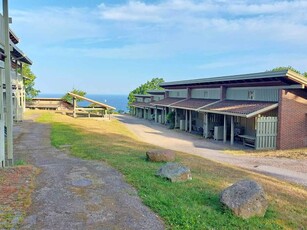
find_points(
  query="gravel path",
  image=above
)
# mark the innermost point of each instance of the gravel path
(77, 194)
(282, 168)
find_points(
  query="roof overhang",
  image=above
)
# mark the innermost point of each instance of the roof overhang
(285, 77)
(167, 102)
(17, 54)
(13, 37)
(202, 103)
(245, 115)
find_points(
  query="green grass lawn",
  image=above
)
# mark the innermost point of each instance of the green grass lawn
(191, 205)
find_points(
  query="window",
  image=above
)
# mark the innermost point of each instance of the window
(206, 94)
(251, 94)
(178, 94)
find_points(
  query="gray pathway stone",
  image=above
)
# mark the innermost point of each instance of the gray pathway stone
(77, 194)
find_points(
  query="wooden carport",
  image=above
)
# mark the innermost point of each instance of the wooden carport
(98, 106)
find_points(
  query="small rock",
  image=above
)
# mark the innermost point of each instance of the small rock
(245, 198)
(174, 172)
(161, 155)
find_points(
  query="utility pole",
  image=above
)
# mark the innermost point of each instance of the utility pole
(8, 83)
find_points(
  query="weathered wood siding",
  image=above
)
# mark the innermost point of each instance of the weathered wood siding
(158, 97)
(260, 93)
(266, 133)
(178, 93)
(205, 93)
(147, 100)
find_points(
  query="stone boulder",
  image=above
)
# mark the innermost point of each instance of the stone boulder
(245, 198)
(161, 155)
(174, 172)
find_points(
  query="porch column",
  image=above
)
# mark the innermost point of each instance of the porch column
(190, 123)
(232, 128)
(165, 117)
(186, 120)
(74, 105)
(225, 129)
(8, 82)
(2, 139)
(175, 118)
(156, 115)
(205, 126)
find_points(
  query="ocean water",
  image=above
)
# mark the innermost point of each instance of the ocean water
(120, 102)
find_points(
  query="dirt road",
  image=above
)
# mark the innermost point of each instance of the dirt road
(287, 169)
(77, 194)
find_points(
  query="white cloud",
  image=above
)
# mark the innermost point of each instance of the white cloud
(166, 29)
(49, 25)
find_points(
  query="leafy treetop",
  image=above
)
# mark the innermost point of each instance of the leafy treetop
(29, 82)
(142, 89)
(69, 98)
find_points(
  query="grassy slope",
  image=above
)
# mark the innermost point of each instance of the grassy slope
(191, 205)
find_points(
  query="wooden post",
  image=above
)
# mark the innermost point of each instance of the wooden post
(186, 120)
(190, 123)
(8, 83)
(225, 129)
(156, 115)
(2, 138)
(165, 117)
(176, 118)
(206, 125)
(232, 130)
(74, 102)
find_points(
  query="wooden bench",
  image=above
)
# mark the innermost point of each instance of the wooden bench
(248, 140)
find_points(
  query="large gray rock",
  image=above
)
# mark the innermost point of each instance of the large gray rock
(160, 155)
(174, 172)
(245, 198)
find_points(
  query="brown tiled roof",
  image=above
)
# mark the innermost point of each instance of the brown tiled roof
(166, 101)
(240, 108)
(140, 104)
(193, 104)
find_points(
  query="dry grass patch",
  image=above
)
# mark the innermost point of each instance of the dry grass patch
(16, 186)
(289, 153)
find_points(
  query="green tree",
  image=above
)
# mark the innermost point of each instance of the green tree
(68, 98)
(29, 82)
(142, 89)
(280, 68)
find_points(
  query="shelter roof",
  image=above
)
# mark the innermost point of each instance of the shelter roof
(166, 101)
(240, 108)
(142, 95)
(140, 104)
(284, 77)
(92, 101)
(46, 99)
(156, 92)
(193, 104)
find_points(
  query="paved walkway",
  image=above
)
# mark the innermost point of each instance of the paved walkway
(77, 194)
(287, 169)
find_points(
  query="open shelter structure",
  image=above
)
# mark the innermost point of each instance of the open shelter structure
(97, 108)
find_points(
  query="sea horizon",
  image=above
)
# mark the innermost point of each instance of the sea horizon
(119, 101)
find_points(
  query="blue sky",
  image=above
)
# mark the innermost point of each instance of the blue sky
(111, 47)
